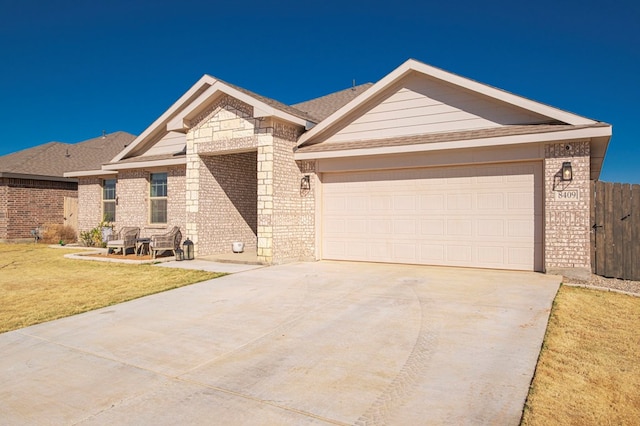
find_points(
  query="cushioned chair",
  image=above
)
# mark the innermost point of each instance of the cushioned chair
(123, 240)
(166, 242)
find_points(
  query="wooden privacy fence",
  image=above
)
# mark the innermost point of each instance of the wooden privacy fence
(71, 212)
(615, 232)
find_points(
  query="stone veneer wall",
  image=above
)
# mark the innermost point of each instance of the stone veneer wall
(221, 176)
(132, 190)
(227, 202)
(29, 203)
(293, 222)
(243, 184)
(567, 223)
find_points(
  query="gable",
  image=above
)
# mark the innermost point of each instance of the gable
(421, 105)
(170, 143)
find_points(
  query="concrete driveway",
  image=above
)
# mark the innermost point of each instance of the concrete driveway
(307, 343)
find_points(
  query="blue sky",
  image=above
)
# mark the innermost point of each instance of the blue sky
(72, 68)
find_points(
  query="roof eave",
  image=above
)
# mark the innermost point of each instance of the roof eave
(584, 133)
(142, 164)
(89, 173)
(29, 176)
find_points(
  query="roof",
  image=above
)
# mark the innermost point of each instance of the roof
(412, 67)
(293, 109)
(53, 159)
(322, 107)
(195, 100)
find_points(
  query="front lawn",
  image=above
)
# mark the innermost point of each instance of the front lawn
(38, 284)
(588, 372)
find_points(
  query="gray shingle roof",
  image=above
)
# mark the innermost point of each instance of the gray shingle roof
(445, 137)
(322, 107)
(53, 159)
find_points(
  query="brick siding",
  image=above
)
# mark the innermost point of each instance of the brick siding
(567, 223)
(132, 209)
(227, 202)
(28, 203)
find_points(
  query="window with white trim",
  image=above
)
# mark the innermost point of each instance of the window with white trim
(109, 200)
(158, 198)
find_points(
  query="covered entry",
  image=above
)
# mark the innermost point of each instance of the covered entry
(487, 216)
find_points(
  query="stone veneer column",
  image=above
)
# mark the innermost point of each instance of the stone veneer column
(192, 192)
(567, 221)
(265, 198)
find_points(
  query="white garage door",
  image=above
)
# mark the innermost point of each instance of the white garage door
(487, 216)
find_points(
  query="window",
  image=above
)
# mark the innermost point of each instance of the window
(158, 198)
(109, 200)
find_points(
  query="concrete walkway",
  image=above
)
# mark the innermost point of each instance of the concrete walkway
(308, 343)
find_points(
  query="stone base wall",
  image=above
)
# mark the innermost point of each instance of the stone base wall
(26, 204)
(567, 215)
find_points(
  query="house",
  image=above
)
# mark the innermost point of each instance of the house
(33, 190)
(422, 167)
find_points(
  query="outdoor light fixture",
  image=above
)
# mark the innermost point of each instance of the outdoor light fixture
(179, 254)
(305, 183)
(188, 249)
(567, 173)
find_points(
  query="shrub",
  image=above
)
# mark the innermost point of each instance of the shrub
(93, 238)
(55, 234)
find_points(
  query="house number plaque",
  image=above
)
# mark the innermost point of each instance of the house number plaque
(571, 195)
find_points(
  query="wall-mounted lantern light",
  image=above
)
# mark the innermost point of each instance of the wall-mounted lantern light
(567, 173)
(305, 183)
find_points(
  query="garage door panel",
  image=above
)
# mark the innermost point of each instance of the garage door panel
(491, 255)
(480, 216)
(459, 254)
(491, 227)
(432, 227)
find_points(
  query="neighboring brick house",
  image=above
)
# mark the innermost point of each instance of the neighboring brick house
(422, 167)
(33, 189)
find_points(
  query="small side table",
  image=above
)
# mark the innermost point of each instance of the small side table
(142, 246)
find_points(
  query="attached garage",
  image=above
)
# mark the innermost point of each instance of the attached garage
(487, 216)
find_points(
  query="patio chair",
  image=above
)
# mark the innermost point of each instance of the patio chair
(165, 242)
(123, 240)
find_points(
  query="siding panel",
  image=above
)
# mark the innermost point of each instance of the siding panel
(426, 106)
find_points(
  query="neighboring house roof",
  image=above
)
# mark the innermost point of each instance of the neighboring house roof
(322, 107)
(52, 160)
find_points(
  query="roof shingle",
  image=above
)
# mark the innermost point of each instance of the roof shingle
(53, 159)
(322, 107)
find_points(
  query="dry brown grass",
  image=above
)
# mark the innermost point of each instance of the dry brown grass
(589, 368)
(53, 234)
(38, 284)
